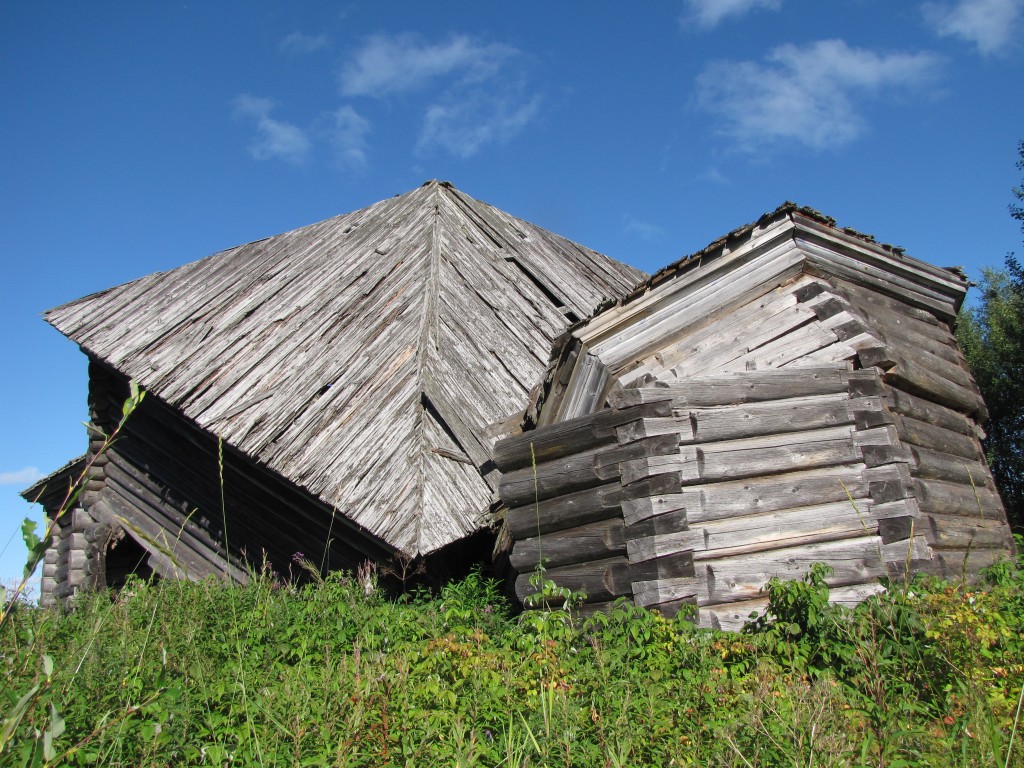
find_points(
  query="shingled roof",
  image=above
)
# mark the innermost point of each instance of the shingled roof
(370, 359)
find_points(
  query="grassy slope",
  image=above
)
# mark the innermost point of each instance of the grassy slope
(204, 674)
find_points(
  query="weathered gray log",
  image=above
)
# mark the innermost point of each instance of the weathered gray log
(759, 532)
(555, 478)
(602, 580)
(667, 523)
(578, 508)
(937, 415)
(718, 500)
(945, 498)
(794, 414)
(934, 465)
(937, 438)
(570, 437)
(735, 459)
(593, 541)
(742, 387)
(923, 383)
(854, 561)
(962, 563)
(955, 532)
(577, 472)
(833, 264)
(673, 565)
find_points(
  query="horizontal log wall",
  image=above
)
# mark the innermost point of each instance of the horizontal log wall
(725, 481)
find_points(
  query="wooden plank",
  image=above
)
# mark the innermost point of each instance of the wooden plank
(908, 550)
(577, 435)
(664, 524)
(601, 580)
(823, 260)
(650, 330)
(903, 326)
(658, 591)
(643, 428)
(711, 337)
(592, 541)
(637, 510)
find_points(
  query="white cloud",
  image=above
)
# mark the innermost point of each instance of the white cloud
(274, 138)
(808, 95)
(463, 125)
(25, 476)
(387, 65)
(297, 43)
(715, 176)
(347, 132)
(710, 13)
(988, 24)
(643, 230)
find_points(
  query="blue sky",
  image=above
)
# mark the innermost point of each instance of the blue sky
(139, 136)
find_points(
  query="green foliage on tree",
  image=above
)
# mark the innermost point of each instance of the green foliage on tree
(991, 335)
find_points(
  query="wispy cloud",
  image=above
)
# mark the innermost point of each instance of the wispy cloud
(274, 138)
(25, 476)
(386, 65)
(462, 126)
(298, 43)
(347, 131)
(643, 230)
(989, 24)
(475, 93)
(710, 13)
(715, 176)
(810, 95)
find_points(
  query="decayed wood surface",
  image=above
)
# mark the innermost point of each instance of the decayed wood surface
(362, 358)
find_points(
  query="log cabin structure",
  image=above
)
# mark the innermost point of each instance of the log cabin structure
(333, 391)
(406, 380)
(792, 393)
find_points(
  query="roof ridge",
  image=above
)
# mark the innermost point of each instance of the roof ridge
(427, 329)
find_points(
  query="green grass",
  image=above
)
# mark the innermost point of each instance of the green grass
(324, 674)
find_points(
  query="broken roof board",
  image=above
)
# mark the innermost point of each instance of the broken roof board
(361, 358)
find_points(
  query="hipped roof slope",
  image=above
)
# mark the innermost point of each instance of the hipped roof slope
(362, 358)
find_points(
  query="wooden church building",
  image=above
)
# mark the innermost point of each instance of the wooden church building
(382, 385)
